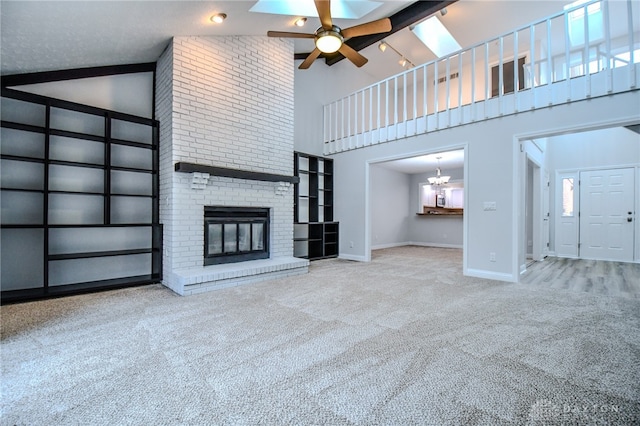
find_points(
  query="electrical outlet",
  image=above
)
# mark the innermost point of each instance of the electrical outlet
(492, 257)
(350, 244)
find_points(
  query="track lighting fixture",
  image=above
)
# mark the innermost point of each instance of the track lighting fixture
(403, 61)
(300, 22)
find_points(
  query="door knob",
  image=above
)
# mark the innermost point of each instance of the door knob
(629, 219)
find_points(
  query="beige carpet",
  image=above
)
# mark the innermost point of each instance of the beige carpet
(405, 339)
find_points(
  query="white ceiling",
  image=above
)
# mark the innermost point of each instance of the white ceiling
(427, 163)
(57, 35)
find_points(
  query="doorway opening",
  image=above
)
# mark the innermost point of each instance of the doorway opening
(406, 208)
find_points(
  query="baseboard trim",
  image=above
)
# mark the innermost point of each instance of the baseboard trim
(344, 256)
(436, 245)
(390, 245)
(415, 243)
(498, 276)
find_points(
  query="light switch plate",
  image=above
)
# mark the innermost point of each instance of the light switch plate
(489, 206)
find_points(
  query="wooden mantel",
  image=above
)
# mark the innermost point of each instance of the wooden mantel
(234, 173)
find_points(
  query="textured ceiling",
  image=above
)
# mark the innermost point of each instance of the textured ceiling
(52, 35)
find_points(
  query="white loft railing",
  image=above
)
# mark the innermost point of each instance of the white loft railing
(560, 59)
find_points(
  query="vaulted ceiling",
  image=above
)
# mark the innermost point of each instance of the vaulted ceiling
(56, 35)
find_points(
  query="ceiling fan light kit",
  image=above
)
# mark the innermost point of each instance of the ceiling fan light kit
(330, 38)
(329, 41)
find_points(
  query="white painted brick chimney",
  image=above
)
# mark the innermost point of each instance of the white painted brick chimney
(224, 102)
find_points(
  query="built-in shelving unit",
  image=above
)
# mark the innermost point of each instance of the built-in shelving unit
(315, 232)
(79, 189)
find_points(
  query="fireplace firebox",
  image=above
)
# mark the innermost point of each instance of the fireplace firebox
(235, 234)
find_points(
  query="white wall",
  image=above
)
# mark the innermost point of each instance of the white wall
(128, 93)
(493, 170)
(316, 87)
(390, 207)
(596, 149)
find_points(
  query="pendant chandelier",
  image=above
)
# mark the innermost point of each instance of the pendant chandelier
(438, 179)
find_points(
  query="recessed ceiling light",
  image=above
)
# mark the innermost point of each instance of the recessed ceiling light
(300, 22)
(219, 18)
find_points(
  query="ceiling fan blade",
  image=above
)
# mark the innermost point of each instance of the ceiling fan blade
(285, 34)
(324, 13)
(374, 27)
(352, 55)
(312, 57)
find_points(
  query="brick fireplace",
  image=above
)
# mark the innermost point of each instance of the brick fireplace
(225, 106)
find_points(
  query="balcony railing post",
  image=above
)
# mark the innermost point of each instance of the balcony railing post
(342, 124)
(370, 113)
(473, 84)
(327, 121)
(415, 102)
(460, 88)
(405, 116)
(435, 93)
(549, 65)
(532, 65)
(363, 120)
(349, 118)
(486, 80)
(607, 38)
(425, 102)
(632, 68)
(379, 115)
(587, 62)
(447, 79)
(567, 59)
(501, 75)
(386, 114)
(395, 105)
(516, 72)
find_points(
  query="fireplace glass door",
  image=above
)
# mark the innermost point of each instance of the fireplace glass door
(235, 234)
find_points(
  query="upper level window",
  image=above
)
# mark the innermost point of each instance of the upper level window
(576, 22)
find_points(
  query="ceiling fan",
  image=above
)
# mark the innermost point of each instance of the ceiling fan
(330, 38)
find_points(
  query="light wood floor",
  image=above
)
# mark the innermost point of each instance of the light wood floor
(591, 276)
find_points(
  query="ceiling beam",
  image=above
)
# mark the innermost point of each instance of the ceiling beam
(408, 16)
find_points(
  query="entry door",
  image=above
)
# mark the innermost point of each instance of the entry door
(606, 214)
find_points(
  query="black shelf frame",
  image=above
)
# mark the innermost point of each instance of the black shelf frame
(322, 236)
(155, 249)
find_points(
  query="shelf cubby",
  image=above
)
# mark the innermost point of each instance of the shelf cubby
(315, 233)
